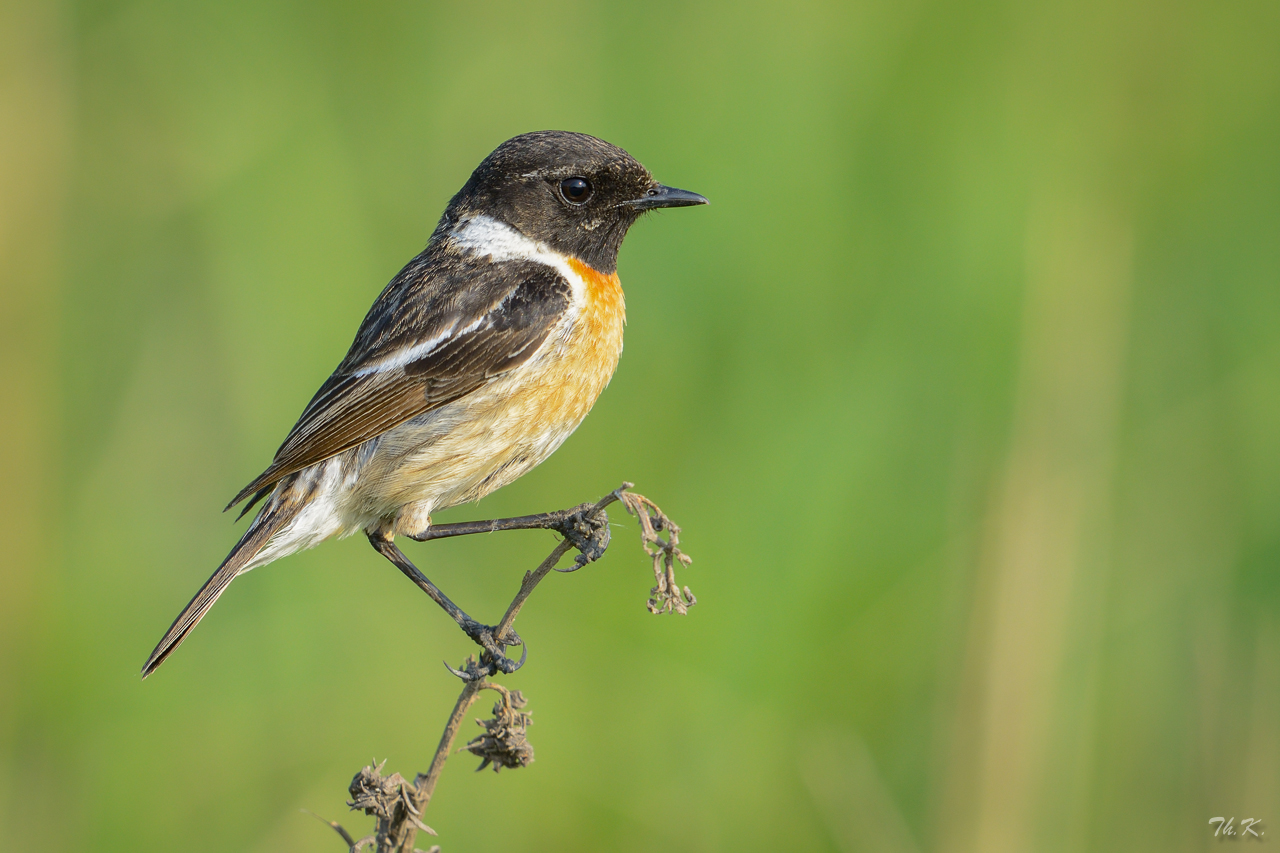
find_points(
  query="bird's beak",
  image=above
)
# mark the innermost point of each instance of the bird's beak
(660, 196)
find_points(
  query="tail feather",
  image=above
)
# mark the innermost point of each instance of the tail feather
(278, 512)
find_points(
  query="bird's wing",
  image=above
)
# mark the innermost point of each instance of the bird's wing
(432, 337)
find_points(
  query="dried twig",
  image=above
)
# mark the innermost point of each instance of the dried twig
(399, 806)
(664, 552)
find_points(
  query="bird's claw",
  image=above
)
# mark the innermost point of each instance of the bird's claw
(487, 666)
(469, 672)
(492, 660)
(502, 663)
(588, 532)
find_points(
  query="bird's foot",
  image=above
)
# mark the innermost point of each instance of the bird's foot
(492, 659)
(587, 529)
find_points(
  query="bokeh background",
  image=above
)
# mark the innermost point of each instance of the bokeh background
(965, 388)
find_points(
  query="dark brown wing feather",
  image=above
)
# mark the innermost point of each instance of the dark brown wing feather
(506, 309)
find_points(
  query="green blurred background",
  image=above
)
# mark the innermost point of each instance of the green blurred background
(965, 388)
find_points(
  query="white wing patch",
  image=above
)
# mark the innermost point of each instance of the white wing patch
(405, 355)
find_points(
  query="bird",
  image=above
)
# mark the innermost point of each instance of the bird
(474, 364)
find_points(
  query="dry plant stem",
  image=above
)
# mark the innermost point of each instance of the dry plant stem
(402, 836)
(532, 579)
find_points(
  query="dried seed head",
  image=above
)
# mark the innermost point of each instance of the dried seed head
(374, 793)
(503, 743)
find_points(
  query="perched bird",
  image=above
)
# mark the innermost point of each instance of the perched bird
(473, 365)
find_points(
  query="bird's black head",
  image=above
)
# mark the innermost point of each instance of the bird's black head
(576, 193)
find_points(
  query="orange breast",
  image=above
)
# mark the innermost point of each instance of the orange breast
(605, 311)
(582, 367)
(597, 336)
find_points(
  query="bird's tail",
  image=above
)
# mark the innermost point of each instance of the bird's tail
(283, 506)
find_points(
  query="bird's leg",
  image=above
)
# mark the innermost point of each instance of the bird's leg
(585, 526)
(481, 634)
(587, 531)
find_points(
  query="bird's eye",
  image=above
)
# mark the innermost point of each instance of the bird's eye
(575, 190)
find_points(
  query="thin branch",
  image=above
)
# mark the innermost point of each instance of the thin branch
(532, 579)
(402, 837)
